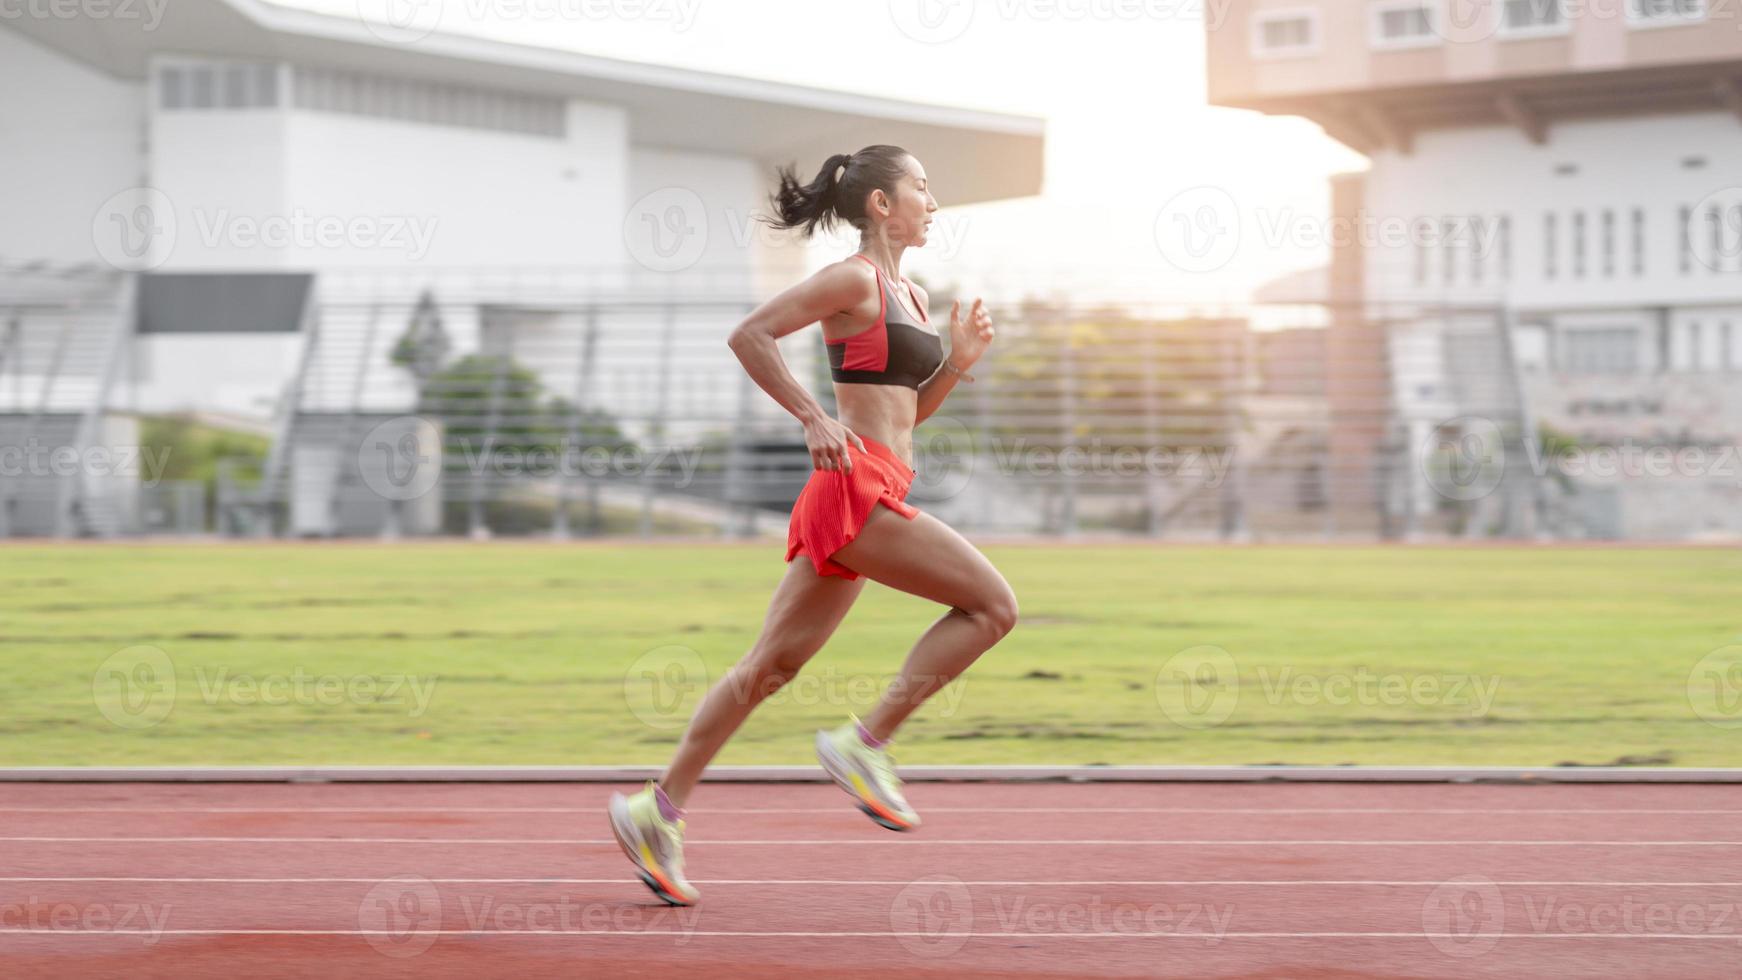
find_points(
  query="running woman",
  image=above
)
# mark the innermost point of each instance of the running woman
(890, 373)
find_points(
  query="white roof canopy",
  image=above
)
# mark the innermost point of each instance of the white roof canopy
(987, 156)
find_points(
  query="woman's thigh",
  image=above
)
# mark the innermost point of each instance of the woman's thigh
(804, 613)
(928, 558)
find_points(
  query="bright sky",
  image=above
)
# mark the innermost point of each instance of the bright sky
(1120, 83)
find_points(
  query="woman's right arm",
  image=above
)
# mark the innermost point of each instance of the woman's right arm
(833, 290)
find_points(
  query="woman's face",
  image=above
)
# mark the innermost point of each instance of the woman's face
(910, 208)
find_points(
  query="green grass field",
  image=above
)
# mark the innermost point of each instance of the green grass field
(538, 654)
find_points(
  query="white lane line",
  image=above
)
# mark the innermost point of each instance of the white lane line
(878, 842)
(1181, 882)
(965, 933)
(1286, 811)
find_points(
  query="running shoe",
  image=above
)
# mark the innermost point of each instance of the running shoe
(654, 844)
(867, 774)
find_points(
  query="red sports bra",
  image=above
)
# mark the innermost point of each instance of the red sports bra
(893, 351)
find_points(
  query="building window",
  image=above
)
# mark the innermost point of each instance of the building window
(1551, 246)
(217, 86)
(1403, 24)
(1639, 241)
(1665, 13)
(1533, 18)
(1687, 239)
(1608, 244)
(1578, 244)
(1608, 350)
(1285, 33)
(384, 97)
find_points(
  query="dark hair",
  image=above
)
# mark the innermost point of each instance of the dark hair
(827, 199)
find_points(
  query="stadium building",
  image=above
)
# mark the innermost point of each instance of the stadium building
(249, 211)
(1567, 171)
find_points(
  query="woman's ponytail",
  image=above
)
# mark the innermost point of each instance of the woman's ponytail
(838, 191)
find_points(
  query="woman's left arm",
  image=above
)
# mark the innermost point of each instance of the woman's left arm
(969, 338)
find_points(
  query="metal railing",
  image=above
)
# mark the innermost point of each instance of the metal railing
(632, 416)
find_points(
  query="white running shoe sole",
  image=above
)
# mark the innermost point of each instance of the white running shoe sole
(845, 777)
(629, 838)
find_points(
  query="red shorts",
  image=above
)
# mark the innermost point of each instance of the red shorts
(833, 505)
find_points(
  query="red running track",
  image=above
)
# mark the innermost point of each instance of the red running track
(1182, 880)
